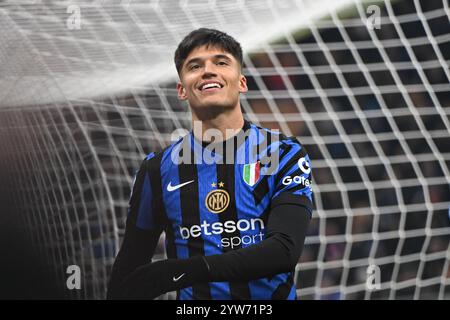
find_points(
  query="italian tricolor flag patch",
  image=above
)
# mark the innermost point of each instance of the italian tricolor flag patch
(251, 173)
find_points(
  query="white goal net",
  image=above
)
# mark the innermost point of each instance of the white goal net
(87, 88)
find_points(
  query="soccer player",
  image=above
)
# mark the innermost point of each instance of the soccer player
(235, 210)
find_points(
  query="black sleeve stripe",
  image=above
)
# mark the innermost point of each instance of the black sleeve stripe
(154, 171)
(294, 159)
(135, 199)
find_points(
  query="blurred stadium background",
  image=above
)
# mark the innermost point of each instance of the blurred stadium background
(364, 85)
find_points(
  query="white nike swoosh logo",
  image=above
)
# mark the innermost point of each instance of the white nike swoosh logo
(171, 188)
(175, 279)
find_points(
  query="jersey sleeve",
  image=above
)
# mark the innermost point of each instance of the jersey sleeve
(293, 177)
(142, 231)
(142, 211)
(284, 242)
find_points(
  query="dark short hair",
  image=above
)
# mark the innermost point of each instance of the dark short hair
(209, 37)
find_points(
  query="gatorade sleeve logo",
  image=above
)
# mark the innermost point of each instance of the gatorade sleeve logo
(304, 165)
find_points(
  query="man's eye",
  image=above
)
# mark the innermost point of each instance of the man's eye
(222, 63)
(193, 66)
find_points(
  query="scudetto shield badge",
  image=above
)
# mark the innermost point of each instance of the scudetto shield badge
(251, 173)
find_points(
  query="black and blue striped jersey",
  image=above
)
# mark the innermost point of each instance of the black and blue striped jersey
(209, 204)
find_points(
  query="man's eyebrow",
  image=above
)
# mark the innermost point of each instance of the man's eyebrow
(222, 56)
(216, 56)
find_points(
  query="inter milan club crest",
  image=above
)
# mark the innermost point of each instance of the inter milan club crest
(217, 200)
(251, 173)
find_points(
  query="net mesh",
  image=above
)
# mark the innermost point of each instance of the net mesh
(362, 84)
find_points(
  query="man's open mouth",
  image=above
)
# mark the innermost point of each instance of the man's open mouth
(210, 86)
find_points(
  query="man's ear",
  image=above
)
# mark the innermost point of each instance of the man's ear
(243, 84)
(181, 91)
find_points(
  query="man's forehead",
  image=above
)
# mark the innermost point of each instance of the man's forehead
(207, 51)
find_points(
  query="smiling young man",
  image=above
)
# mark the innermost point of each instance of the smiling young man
(235, 226)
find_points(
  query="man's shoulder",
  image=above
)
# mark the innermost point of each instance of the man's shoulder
(279, 139)
(156, 157)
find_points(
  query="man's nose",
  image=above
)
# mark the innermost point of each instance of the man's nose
(209, 69)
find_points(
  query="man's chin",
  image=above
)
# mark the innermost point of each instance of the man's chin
(211, 106)
(210, 110)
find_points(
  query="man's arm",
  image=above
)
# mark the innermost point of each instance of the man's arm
(278, 253)
(137, 249)
(142, 231)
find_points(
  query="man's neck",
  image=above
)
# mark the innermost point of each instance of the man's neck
(228, 123)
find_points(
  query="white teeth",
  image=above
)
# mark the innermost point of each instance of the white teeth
(211, 85)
